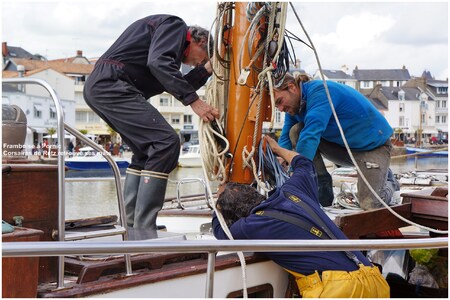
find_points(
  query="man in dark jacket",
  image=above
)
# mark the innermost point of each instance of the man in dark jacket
(293, 212)
(145, 61)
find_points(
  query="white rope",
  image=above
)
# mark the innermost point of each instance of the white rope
(213, 160)
(346, 144)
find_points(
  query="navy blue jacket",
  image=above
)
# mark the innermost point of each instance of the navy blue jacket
(303, 184)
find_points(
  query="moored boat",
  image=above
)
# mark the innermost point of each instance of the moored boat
(89, 159)
(190, 158)
(426, 152)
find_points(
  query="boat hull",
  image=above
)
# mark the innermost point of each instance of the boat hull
(425, 152)
(94, 165)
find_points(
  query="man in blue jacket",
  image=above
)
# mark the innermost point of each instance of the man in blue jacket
(293, 212)
(310, 129)
(143, 62)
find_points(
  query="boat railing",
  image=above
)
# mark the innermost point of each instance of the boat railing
(191, 180)
(212, 247)
(60, 131)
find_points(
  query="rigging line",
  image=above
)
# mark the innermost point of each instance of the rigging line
(239, 135)
(211, 199)
(222, 61)
(293, 51)
(294, 37)
(346, 144)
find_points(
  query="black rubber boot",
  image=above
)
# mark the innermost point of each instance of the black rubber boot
(324, 180)
(130, 191)
(150, 199)
(326, 194)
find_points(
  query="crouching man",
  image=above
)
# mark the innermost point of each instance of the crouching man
(293, 212)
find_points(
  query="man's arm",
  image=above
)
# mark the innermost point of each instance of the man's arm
(167, 43)
(286, 154)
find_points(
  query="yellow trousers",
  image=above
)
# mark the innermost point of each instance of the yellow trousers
(367, 282)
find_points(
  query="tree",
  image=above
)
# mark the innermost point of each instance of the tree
(112, 133)
(51, 131)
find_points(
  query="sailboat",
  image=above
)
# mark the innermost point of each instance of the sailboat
(91, 257)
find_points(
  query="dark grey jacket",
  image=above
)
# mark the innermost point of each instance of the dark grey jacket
(149, 54)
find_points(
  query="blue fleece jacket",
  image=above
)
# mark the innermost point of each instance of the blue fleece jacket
(303, 184)
(364, 126)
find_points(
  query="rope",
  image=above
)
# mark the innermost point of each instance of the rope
(214, 166)
(268, 163)
(345, 140)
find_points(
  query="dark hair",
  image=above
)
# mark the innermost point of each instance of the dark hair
(237, 200)
(198, 34)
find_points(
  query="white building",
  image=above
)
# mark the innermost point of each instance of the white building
(39, 109)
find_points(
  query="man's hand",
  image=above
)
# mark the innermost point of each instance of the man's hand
(285, 154)
(205, 111)
(208, 66)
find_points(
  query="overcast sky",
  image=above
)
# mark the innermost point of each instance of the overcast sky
(370, 35)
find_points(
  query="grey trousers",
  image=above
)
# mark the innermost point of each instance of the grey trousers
(374, 165)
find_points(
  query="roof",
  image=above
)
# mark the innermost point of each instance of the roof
(336, 74)
(18, 52)
(378, 103)
(57, 65)
(9, 74)
(437, 83)
(382, 75)
(427, 75)
(391, 93)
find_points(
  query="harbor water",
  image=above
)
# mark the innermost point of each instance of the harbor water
(93, 193)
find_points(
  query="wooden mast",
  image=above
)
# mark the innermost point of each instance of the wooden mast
(240, 124)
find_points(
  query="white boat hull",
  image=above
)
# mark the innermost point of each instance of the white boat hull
(225, 282)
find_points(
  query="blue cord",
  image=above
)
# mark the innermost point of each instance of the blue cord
(272, 173)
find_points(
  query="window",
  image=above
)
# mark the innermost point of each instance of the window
(80, 116)
(401, 121)
(79, 80)
(366, 84)
(401, 95)
(442, 90)
(176, 119)
(444, 119)
(164, 101)
(92, 117)
(438, 103)
(422, 119)
(37, 109)
(438, 119)
(52, 112)
(187, 119)
(384, 83)
(444, 104)
(277, 116)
